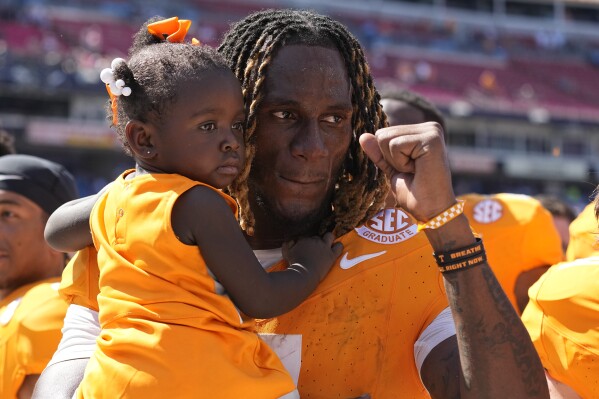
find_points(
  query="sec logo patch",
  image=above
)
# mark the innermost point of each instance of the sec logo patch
(389, 226)
(487, 211)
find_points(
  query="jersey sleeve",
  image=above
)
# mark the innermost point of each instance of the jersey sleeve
(79, 284)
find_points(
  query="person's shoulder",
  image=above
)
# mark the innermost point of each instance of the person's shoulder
(568, 287)
(38, 307)
(584, 235)
(392, 230)
(388, 244)
(579, 274)
(503, 209)
(585, 222)
(203, 198)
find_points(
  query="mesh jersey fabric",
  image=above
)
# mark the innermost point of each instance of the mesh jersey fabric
(359, 327)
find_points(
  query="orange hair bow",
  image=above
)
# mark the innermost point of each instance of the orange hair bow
(113, 106)
(171, 29)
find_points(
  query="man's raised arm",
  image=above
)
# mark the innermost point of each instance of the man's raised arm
(491, 355)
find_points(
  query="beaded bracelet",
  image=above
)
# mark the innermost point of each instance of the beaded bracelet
(461, 258)
(444, 217)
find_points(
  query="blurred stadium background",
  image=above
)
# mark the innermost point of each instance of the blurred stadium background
(518, 80)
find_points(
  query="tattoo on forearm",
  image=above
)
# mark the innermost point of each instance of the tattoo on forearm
(509, 332)
(492, 338)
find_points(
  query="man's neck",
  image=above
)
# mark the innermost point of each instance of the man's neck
(270, 233)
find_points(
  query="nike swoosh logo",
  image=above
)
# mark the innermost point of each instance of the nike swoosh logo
(349, 263)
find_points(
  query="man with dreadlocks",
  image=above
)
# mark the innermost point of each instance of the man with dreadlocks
(379, 324)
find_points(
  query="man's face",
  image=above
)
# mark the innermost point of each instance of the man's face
(24, 255)
(303, 133)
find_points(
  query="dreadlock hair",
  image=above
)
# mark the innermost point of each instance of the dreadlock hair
(154, 72)
(250, 47)
(431, 113)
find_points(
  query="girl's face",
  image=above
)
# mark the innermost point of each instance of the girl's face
(201, 137)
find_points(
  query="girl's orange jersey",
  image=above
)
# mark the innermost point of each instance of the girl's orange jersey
(167, 331)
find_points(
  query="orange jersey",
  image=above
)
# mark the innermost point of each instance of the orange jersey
(518, 233)
(359, 327)
(79, 283)
(584, 235)
(167, 331)
(562, 318)
(366, 315)
(30, 322)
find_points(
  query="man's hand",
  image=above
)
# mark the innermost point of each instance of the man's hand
(415, 161)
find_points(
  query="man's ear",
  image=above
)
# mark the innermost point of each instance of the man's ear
(140, 138)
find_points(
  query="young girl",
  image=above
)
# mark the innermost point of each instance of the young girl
(174, 264)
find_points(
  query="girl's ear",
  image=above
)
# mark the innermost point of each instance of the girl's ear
(140, 139)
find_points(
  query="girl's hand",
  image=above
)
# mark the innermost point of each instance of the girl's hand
(313, 255)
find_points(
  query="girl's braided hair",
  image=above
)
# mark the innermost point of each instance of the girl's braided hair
(156, 69)
(249, 48)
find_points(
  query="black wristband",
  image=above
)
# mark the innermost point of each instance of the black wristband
(463, 264)
(460, 254)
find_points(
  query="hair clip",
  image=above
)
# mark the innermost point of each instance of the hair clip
(172, 29)
(114, 87)
(117, 87)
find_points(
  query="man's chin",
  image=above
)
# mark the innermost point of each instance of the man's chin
(295, 218)
(292, 215)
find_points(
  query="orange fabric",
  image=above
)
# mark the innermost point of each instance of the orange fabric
(364, 318)
(562, 318)
(30, 322)
(174, 29)
(518, 234)
(584, 235)
(166, 331)
(113, 106)
(79, 283)
(359, 327)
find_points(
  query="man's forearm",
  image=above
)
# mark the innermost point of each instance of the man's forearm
(497, 358)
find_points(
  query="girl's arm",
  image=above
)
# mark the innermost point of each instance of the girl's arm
(202, 217)
(67, 229)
